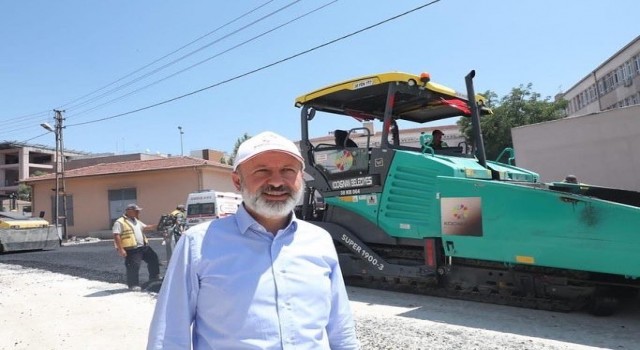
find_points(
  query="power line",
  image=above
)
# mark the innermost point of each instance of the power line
(209, 58)
(260, 68)
(35, 114)
(120, 87)
(70, 105)
(23, 123)
(22, 118)
(35, 137)
(171, 53)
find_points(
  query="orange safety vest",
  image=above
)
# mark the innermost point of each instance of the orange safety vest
(127, 236)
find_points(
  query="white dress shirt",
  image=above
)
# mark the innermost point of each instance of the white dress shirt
(231, 284)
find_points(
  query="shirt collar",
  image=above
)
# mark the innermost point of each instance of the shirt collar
(245, 221)
(129, 218)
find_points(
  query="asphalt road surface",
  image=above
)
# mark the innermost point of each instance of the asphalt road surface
(384, 320)
(95, 261)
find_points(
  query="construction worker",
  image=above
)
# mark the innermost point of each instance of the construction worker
(132, 244)
(173, 226)
(179, 216)
(437, 142)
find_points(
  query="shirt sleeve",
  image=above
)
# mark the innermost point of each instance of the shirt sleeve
(176, 305)
(117, 228)
(341, 328)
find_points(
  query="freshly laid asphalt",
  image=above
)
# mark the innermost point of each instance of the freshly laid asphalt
(92, 259)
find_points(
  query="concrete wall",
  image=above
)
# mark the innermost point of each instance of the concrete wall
(601, 149)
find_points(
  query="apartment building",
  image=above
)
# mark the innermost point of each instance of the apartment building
(613, 84)
(599, 139)
(20, 160)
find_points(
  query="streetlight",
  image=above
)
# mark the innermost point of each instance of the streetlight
(47, 126)
(181, 133)
(59, 159)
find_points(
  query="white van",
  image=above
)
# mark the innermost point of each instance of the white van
(208, 205)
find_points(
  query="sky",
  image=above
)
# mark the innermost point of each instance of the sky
(128, 73)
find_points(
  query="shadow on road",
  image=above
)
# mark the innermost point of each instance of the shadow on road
(619, 331)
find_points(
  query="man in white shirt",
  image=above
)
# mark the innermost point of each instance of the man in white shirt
(260, 279)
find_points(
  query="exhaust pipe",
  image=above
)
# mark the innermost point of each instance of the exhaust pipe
(475, 120)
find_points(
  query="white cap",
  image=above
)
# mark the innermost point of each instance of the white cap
(264, 142)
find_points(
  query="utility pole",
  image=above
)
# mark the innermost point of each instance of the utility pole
(62, 161)
(60, 183)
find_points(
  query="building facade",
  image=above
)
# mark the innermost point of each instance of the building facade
(599, 140)
(19, 160)
(599, 149)
(613, 84)
(96, 195)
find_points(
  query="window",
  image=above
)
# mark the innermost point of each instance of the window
(622, 72)
(628, 70)
(118, 199)
(610, 82)
(601, 86)
(579, 97)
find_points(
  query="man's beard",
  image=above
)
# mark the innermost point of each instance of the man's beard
(271, 209)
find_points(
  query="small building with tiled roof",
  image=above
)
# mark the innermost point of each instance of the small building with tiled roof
(96, 195)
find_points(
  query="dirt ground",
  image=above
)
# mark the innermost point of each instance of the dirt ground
(45, 310)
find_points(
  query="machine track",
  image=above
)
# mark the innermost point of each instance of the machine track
(473, 294)
(488, 282)
(407, 270)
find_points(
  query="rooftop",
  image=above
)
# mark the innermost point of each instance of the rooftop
(133, 166)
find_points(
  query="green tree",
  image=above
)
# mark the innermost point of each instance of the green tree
(491, 100)
(24, 191)
(239, 141)
(521, 106)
